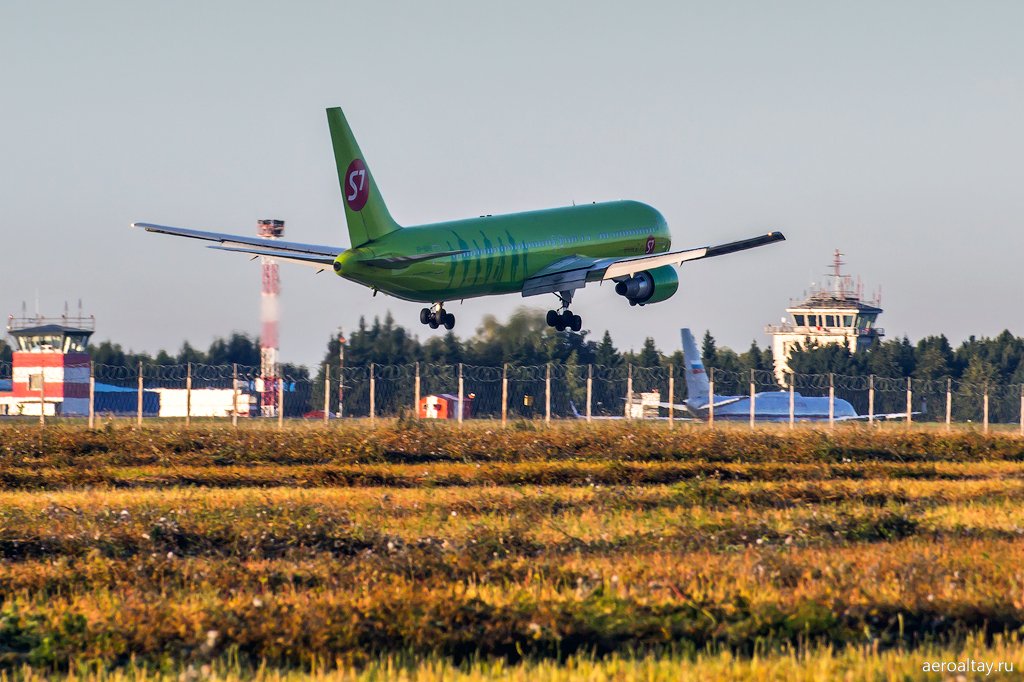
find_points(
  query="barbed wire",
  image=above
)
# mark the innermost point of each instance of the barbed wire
(556, 372)
(527, 385)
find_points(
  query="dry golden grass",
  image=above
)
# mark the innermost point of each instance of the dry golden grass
(616, 552)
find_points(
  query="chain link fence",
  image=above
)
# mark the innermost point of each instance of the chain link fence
(553, 391)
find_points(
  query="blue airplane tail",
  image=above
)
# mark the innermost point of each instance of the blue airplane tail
(697, 389)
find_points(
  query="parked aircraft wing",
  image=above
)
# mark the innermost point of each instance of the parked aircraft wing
(574, 272)
(295, 250)
(864, 417)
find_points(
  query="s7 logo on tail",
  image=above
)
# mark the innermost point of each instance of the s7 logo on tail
(358, 189)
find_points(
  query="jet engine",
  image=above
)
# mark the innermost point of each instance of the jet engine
(649, 286)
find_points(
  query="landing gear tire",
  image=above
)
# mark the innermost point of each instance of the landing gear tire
(437, 317)
(564, 320)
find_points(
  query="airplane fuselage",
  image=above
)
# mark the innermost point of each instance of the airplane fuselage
(500, 252)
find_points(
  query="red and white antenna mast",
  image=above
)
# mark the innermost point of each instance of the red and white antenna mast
(269, 229)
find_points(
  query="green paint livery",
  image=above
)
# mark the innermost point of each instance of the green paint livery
(556, 251)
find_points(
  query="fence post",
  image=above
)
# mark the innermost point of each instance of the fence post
(341, 390)
(871, 399)
(92, 396)
(985, 412)
(280, 399)
(949, 403)
(752, 399)
(416, 393)
(188, 395)
(373, 394)
(711, 398)
(831, 401)
(138, 406)
(792, 400)
(504, 393)
(910, 401)
(234, 394)
(590, 391)
(42, 396)
(629, 392)
(671, 396)
(547, 395)
(461, 395)
(327, 392)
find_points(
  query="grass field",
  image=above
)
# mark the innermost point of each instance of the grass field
(430, 552)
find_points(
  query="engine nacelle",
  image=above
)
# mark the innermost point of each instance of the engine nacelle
(649, 286)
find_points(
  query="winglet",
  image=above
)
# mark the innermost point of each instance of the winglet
(744, 244)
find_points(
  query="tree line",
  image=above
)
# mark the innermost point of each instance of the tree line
(525, 339)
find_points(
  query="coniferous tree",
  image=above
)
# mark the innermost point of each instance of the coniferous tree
(708, 350)
(606, 354)
(649, 355)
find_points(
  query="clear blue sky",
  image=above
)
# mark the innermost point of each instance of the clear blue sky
(892, 131)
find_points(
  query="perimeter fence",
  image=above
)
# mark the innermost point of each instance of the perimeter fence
(551, 391)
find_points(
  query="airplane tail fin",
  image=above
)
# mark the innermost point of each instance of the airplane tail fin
(698, 391)
(365, 212)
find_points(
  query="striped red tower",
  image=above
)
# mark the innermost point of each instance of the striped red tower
(50, 367)
(271, 287)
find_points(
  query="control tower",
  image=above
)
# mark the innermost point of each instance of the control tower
(51, 370)
(836, 312)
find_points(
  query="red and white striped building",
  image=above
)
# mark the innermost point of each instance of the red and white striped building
(50, 368)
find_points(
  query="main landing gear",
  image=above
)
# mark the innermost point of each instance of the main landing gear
(435, 316)
(563, 318)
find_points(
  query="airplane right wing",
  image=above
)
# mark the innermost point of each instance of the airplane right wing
(576, 271)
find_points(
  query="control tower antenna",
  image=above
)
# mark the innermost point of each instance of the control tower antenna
(838, 281)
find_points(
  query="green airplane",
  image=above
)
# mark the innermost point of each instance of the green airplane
(556, 251)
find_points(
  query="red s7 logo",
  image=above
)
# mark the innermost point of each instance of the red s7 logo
(357, 189)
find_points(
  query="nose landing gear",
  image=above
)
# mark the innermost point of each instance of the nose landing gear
(563, 318)
(436, 316)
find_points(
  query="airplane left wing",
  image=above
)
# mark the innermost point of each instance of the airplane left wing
(313, 255)
(574, 272)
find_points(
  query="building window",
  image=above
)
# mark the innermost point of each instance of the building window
(848, 320)
(799, 319)
(830, 320)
